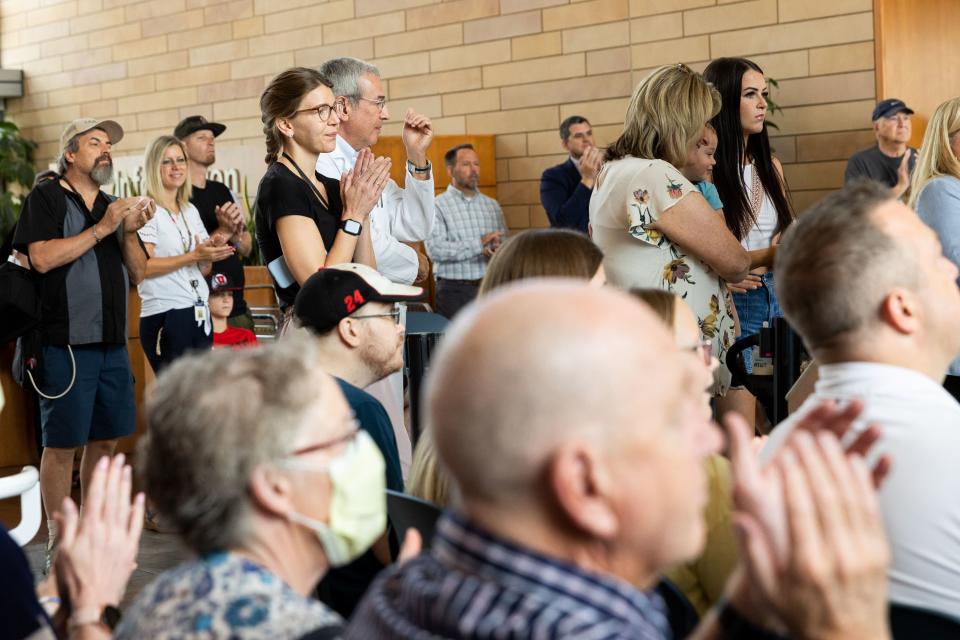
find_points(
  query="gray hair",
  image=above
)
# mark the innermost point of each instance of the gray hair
(345, 74)
(835, 266)
(72, 146)
(211, 420)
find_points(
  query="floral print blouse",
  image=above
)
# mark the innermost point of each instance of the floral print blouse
(222, 596)
(631, 194)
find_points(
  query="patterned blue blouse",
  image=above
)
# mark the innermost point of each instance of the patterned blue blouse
(222, 596)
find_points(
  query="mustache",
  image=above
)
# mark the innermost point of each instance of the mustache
(105, 157)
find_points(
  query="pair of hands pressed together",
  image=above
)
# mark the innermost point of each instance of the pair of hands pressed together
(814, 553)
(132, 213)
(230, 220)
(590, 163)
(97, 546)
(362, 186)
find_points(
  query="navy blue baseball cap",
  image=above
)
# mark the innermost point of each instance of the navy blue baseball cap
(890, 107)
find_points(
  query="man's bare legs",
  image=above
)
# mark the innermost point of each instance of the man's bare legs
(92, 453)
(56, 476)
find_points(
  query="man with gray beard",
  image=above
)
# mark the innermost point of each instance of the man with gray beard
(83, 247)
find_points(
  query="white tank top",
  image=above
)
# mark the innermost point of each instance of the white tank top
(761, 233)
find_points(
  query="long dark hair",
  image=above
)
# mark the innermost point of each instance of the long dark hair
(726, 75)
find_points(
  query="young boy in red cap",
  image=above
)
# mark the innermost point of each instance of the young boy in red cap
(221, 304)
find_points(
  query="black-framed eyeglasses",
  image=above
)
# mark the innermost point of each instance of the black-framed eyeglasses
(395, 314)
(324, 110)
(381, 101)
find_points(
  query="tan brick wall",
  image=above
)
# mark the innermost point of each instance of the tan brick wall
(514, 68)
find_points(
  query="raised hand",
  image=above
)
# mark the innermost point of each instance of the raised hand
(417, 136)
(590, 163)
(230, 217)
(98, 546)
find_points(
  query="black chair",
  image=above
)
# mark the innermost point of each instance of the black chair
(405, 512)
(911, 623)
(424, 331)
(781, 343)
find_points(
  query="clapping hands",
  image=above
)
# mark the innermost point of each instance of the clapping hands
(362, 186)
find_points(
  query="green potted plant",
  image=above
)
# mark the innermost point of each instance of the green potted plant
(16, 174)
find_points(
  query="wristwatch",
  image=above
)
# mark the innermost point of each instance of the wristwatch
(109, 616)
(415, 169)
(351, 227)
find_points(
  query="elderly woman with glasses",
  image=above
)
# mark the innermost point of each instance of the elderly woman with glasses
(174, 311)
(306, 221)
(268, 480)
(653, 225)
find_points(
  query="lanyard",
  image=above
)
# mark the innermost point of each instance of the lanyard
(313, 187)
(186, 242)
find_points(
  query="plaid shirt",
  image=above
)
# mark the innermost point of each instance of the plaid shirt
(474, 585)
(454, 244)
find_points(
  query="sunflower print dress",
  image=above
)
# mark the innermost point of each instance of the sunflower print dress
(629, 197)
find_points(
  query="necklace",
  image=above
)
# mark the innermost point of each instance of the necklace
(186, 242)
(312, 186)
(756, 194)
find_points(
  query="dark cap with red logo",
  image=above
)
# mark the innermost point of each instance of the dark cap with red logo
(220, 281)
(333, 293)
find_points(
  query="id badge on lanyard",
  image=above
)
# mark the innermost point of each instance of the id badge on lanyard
(199, 308)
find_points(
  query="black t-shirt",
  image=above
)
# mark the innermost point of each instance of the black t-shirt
(42, 218)
(876, 165)
(283, 193)
(206, 200)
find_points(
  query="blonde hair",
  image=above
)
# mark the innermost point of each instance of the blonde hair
(666, 115)
(428, 480)
(936, 157)
(152, 158)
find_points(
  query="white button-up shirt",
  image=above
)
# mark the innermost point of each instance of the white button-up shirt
(920, 499)
(402, 215)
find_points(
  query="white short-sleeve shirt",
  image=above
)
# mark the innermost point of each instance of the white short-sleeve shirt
(173, 235)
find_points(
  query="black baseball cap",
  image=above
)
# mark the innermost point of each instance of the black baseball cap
(219, 281)
(333, 293)
(890, 107)
(192, 124)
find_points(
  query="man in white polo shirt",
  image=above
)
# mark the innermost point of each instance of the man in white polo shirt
(866, 285)
(403, 214)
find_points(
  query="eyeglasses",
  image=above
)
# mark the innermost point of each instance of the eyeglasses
(395, 314)
(381, 102)
(349, 437)
(170, 162)
(324, 110)
(703, 350)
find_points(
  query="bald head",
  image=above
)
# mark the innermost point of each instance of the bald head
(537, 364)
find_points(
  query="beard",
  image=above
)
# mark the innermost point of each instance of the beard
(102, 173)
(381, 359)
(470, 183)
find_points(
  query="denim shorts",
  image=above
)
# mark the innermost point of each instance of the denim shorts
(754, 308)
(99, 406)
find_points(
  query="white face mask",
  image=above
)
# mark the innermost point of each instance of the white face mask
(358, 504)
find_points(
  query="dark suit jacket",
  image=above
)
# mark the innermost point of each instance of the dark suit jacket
(565, 198)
